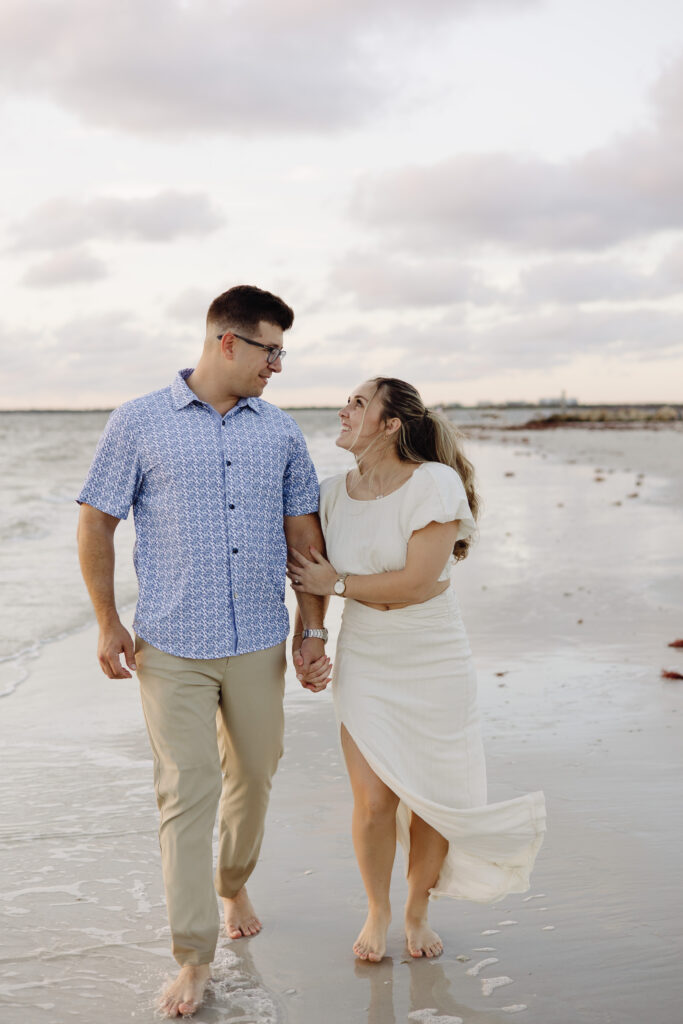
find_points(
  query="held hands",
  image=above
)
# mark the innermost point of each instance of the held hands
(312, 665)
(311, 576)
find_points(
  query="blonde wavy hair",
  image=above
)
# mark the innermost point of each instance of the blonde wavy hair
(427, 436)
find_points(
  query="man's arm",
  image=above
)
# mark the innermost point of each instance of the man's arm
(96, 554)
(305, 530)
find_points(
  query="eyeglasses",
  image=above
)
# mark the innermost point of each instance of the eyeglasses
(274, 352)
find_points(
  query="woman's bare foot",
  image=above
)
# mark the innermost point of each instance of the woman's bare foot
(371, 944)
(240, 916)
(422, 940)
(184, 995)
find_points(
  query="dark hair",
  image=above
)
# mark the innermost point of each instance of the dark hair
(427, 436)
(245, 306)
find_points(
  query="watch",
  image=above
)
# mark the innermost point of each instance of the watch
(340, 584)
(318, 634)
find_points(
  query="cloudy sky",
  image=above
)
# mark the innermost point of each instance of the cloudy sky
(484, 197)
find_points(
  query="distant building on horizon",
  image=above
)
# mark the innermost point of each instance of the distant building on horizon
(562, 401)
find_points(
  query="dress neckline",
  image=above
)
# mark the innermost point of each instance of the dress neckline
(383, 497)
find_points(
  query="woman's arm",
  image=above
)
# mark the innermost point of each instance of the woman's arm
(428, 551)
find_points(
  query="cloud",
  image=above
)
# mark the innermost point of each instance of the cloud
(626, 189)
(378, 281)
(455, 348)
(172, 66)
(566, 281)
(160, 218)
(90, 361)
(72, 266)
(190, 305)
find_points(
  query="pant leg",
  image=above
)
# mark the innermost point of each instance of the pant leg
(250, 728)
(179, 700)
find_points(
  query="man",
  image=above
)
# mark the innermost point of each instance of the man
(220, 483)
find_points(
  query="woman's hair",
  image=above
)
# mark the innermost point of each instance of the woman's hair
(427, 436)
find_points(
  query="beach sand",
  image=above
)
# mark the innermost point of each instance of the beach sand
(570, 597)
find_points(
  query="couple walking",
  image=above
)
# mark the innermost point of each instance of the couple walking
(226, 502)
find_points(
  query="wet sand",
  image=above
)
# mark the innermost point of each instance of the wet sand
(570, 600)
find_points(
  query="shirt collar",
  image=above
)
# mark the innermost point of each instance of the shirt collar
(183, 395)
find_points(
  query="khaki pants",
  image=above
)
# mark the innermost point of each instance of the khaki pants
(216, 729)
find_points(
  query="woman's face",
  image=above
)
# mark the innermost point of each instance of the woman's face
(360, 419)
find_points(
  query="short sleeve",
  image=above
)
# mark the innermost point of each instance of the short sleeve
(114, 478)
(438, 496)
(328, 493)
(300, 484)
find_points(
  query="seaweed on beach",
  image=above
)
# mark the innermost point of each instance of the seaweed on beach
(607, 417)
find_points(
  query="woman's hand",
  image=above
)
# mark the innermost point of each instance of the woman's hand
(311, 576)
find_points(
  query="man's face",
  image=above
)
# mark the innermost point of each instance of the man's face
(250, 369)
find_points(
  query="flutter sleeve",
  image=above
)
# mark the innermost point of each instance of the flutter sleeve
(437, 496)
(329, 489)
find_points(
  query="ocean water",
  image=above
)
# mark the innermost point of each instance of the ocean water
(44, 457)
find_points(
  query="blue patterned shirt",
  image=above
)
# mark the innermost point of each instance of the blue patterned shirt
(209, 493)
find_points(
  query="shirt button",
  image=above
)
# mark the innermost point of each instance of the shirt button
(231, 506)
(228, 462)
(234, 551)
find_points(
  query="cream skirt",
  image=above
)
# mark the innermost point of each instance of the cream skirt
(404, 687)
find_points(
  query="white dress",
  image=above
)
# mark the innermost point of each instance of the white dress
(405, 689)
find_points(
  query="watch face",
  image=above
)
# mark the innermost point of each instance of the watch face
(339, 587)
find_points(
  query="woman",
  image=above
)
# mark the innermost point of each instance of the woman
(403, 681)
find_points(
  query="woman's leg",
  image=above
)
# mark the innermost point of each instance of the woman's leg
(427, 852)
(374, 840)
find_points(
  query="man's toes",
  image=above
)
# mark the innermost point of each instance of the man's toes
(188, 1007)
(375, 957)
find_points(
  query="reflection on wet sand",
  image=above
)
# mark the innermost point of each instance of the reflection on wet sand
(431, 1001)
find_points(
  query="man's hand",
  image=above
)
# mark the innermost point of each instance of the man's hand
(114, 641)
(312, 665)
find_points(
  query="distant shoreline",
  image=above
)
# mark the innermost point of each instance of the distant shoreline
(575, 414)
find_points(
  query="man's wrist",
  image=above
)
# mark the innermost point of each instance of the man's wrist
(318, 633)
(108, 619)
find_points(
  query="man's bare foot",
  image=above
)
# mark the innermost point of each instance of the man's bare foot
(371, 943)
(240, 916)
(422, 940)
(184, 995)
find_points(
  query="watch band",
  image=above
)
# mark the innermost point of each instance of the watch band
(318, 634)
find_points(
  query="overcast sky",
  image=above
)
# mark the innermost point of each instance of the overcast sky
(484, 197)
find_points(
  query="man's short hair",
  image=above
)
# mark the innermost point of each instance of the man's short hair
(245, 306)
